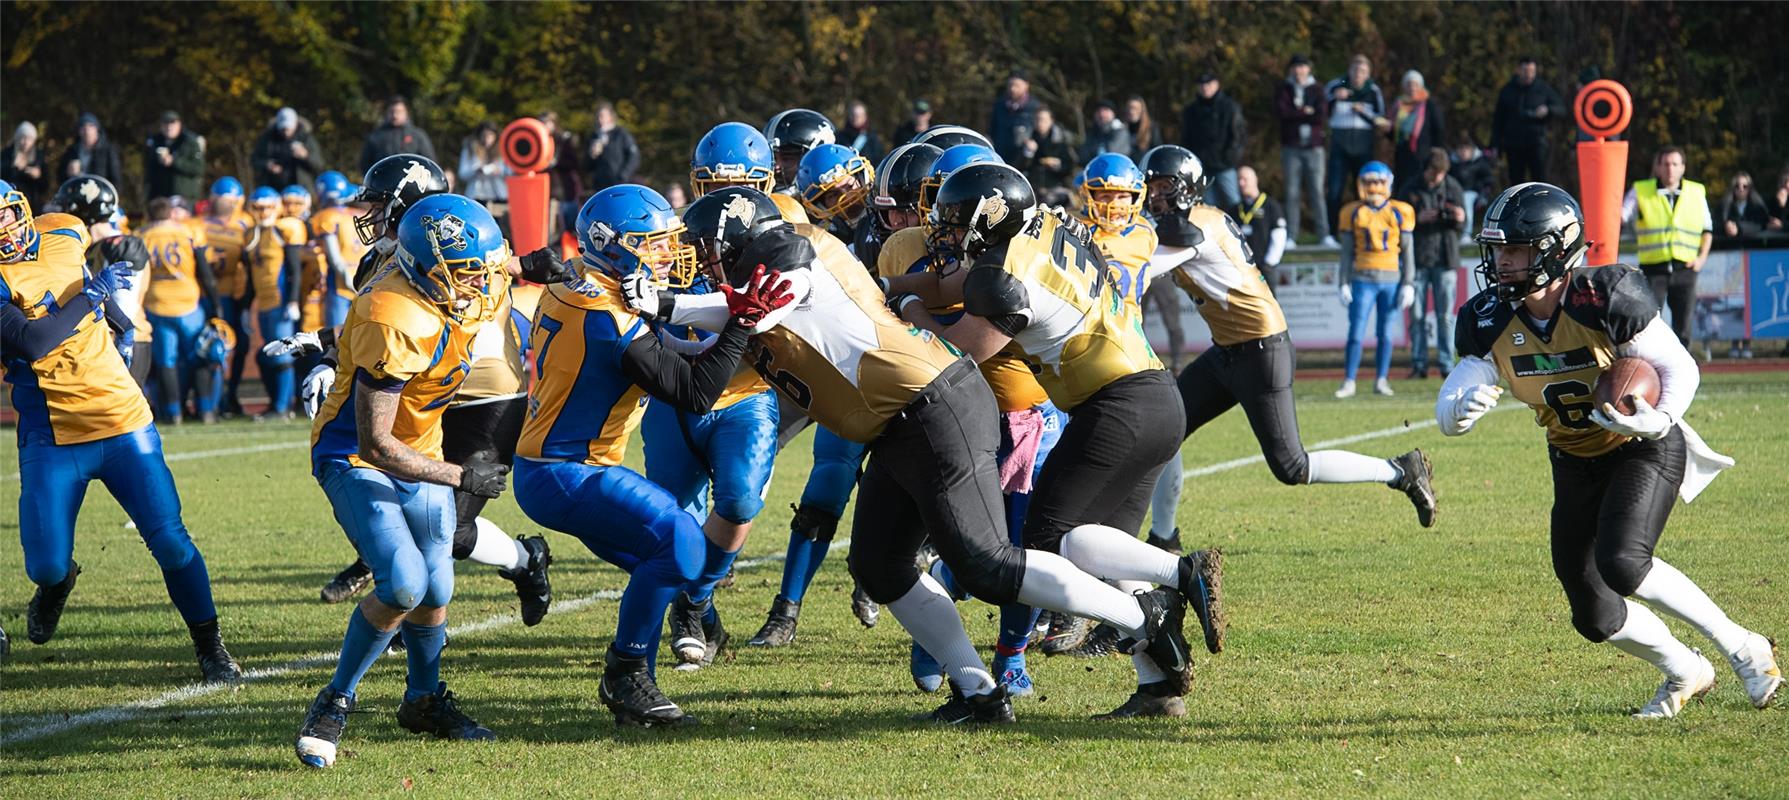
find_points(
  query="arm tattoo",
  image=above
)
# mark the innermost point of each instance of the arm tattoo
(374, 412)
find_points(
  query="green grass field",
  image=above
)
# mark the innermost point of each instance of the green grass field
(1367, 656)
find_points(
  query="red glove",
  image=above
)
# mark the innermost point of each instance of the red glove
(762, 294)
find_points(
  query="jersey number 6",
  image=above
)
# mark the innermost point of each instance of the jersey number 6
(788, 384)
(1570, 401)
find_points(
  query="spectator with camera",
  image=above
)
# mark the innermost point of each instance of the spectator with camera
(286, 154)
(174, 160)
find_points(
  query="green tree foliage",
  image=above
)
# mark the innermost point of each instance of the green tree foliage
(1699, 72)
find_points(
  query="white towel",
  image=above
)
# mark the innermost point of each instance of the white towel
(1701, 465)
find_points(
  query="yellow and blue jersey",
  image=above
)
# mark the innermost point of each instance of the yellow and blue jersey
(500, 347)
(746, 382)
(173, 289)
(225, 240)
(394, 337)
(80, 391)
(1127, 252)
(267, 267)
(582, 407)
(1377, 233)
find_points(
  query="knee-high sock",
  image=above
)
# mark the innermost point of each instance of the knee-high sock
(361, 646)
(1053, 582)
(650, 590)
(1165, 499)
(1111, 554)
(1645, 636)
(1341, 466)
(167, 390)
(931, 619)
(804, 560)
(205, 389)
(715, 564)
(422, 645)
(1672, 592)
(190, 589)
(494, 547)
(1147, 670)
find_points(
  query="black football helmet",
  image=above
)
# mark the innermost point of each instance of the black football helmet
(721, 223)
(792, 134)
(1539, 215)
(392, 186)
(898, 180)
(1175, 179)
(978, 208)
(944, 137)
(90, 198)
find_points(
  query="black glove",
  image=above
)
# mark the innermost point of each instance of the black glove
(544, 266)
(482, 478)
(900, 301)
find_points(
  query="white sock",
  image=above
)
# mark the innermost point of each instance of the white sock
(1147, 671)
(1672, 592)
(1645, 636)
(494, 547)
(1111, 554)
(1053, 583)
(1165, 499)
(931, 619)
(1341, 466)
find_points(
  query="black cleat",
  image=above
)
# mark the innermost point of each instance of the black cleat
(439, 714)
(688, 640)
(322, 728)
(1417, 482)
(1164, 614)
(779, 628)
(1102, 641)
(352, 580)
(865, 609)
(215, 663)
(1170, 543)
(1066, 633)
(45, 611)
(629, 691)
(1146, 702)
(1202, 584)
(993, 708)
(532, 586)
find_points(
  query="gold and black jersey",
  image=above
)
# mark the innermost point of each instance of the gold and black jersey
(841, 355)
(1553, 365)
(1052, 293)
(1221, 278)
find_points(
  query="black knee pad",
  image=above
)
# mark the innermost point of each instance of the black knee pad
(884, 581)
(465, 535)
(1624, 570)
(815, 523)
(1292, 468)
(1598, 624)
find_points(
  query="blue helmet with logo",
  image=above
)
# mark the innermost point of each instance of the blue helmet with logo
(628, 229)
(823, 181)
(953, 158)
(1113, 172)
(451, 250)
(215, 341)
(18, 235)
(1373, 182)
(333, 188)
(732, 154)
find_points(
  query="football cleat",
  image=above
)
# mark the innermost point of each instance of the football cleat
(532, 586)
(993, 708)
(1674, 694)
(1382, 387)
(1103, 640)
(688, 640)
(865, 609)
(1066, 632)
(1146, 703)
(631, 694)
(322, 728)
(439, 714)
(215, 663)
(1170, 543)
(1345, 391)
(1416, 482)
(1164, 613)
(927, 673)
(351, 581)
(1010, 672)
(715, 638)
(779, 628)
(45, 611)
(1756, 665)
(1202, 584)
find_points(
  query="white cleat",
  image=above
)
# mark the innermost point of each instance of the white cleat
(1346, 391)
(1673, 695)
(1382, 387)
(1756, 665)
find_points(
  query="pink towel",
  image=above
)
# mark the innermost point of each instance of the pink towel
(1026, 431)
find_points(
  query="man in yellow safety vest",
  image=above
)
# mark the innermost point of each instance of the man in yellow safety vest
(1673, 230)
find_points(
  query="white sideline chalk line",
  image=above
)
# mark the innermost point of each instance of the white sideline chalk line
(1427, 422)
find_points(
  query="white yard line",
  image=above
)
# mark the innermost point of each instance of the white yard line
(197, 455)
(1426, 422)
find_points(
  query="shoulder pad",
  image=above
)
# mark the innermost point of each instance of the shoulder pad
(990, 291)
(1179, 230)
(399, 307)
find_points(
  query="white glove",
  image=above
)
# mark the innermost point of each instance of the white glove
(641, 296)
(1472, 405)
(1347, 296)
(303, 343)
(292, 312)
(315, 388)
(1406, 296)
(1646, 422)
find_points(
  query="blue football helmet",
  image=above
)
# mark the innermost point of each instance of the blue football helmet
(628, 229)
(226, 197)
(264, 205)
(333, 188)
(824, 182)
(215, 341)
(1373, 182)
(451, 250)
(952, 159)
(18, 235)
(732, 154)
(295, 201)
(1113, 172)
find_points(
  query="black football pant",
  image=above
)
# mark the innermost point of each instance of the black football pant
(1674, 284)
(478, 431)
(1256, 374)
(1608, 512)
(1103, 469)
(932, 472)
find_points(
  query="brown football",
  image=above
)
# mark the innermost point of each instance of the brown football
(1622, 380)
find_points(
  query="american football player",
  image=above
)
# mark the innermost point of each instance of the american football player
(1547, 325)
(834, 184)
(181, 298)
(228, 231)
(275, 255)
(791, 134)
(1377, 272)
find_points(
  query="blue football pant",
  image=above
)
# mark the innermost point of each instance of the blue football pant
(236, 312)
(402, 529)
(731, 450)
(174, 349)
(837, 462)
(276, 371)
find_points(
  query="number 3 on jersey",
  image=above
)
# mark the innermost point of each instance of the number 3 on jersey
(1070, 254)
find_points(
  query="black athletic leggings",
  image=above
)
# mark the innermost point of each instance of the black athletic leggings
(1608, 512)
(483, 431)
(1257, 375)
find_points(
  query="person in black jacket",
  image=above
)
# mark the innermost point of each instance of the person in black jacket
(22, 165)
(174, 160)
(1212, 127)
(395, 135)
(1743, 212)
(286, 153)
(1525, 107)
(1050, 160)
(612, 156)
(91, 153)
